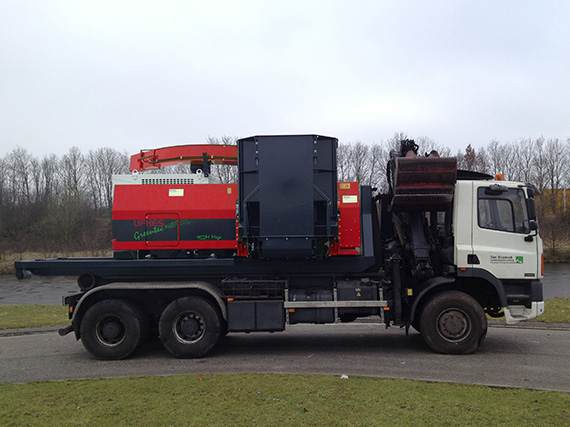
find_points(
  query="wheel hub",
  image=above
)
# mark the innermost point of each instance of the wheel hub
(453, 325)
(188, 327)
(110, 331)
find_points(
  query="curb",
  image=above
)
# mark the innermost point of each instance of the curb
(530, 325)
(29, 331)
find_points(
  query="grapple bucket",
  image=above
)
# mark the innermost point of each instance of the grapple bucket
(423, 183)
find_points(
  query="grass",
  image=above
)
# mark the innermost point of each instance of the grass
(556, 310)
(7, 260)
(33, 316)
(269, 399)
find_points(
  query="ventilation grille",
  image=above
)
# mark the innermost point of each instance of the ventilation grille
(166, 181)
(244, 288)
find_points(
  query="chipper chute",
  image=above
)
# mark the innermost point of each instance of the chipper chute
(418, 185)
(421, 183)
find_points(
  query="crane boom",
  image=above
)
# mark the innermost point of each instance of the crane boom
(184, 154)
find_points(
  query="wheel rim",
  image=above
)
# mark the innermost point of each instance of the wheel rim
(453, 325)
(110, 331)
(188, 327)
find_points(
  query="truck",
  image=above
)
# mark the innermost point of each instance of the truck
(439, 250)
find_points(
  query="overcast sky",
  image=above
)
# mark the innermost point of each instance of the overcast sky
(132, 75)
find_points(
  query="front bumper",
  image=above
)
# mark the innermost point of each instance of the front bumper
(519, 313)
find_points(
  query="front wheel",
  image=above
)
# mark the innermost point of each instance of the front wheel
(190, 327)
(453, 322)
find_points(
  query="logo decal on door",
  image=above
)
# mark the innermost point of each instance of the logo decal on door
(506, 259)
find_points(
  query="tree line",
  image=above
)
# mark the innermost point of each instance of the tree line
(62, 205)
(57, 204)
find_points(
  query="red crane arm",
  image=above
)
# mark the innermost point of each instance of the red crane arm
(184, 154)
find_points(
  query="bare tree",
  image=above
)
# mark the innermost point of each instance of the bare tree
(49, 167)
(556, 170)
(3, 184)
(554, 157)
(496, 157)
(482, 161)
(359, 162)
(540, 159)
(378, 158)
(427, 145)
(523, 159)
(469, 158)
(102, 164)
(72, 171)
(226, 174)
(19, 165)
(342, 161)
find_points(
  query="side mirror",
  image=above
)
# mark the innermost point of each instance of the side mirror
(533, 225)
(531, 208)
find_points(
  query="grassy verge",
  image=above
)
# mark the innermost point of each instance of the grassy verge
(33, 316)
(7, 260)
(267, 399)
(556, 310)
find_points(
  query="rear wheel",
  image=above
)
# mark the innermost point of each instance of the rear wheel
(453, 323)
(190, 327)
(113, 329)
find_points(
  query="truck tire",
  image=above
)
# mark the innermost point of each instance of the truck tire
(190, 327)
(113, 329)
(453, 322)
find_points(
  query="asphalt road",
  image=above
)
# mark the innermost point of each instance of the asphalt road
(529, 358)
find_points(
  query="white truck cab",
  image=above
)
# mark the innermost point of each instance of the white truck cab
(497, 239)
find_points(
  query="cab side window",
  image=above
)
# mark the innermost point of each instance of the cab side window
(505, 211)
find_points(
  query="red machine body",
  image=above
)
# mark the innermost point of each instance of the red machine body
(189, 217)
(349, 239)
(160, 213)
(203, 217)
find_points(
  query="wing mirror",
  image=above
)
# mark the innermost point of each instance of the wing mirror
(531, 208)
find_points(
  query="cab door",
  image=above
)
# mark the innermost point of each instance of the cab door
(503, 242)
